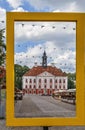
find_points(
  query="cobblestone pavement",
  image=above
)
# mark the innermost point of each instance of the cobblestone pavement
(43, 106)
(2, 109)
(19, 109)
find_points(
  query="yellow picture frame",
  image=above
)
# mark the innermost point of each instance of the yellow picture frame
(79, 18)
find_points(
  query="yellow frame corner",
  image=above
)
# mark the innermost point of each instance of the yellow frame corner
(79, 18)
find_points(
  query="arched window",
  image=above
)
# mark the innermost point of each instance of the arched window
(64, 81)
(26, 81)
(50, 86)
(60, 81)
(30, 80)
(63, 86)
(45, 80)
(39, 80)
(39, 86)
(50, 80)
(34, 80)
(25, 86)
(30, 86)
(55, 86)
(60, 87)
(45, 86)
(34, 86)
(56, 81)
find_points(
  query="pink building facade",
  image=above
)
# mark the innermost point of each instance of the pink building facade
(44, 80)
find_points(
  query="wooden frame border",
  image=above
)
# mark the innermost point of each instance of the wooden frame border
(79, 18)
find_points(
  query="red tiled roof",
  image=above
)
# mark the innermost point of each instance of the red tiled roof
(39, 69)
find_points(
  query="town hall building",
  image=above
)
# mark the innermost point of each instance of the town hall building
(44, 80)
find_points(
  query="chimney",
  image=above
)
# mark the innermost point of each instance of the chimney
(35, 64)
(53, 65)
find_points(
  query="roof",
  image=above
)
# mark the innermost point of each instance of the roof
(39, 69)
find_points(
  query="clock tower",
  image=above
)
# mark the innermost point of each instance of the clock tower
(44, 60)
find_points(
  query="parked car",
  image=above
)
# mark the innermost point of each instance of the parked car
(18, 95)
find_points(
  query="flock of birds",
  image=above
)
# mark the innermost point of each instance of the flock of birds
(64, 66)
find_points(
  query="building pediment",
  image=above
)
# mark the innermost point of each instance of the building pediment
(45, 74)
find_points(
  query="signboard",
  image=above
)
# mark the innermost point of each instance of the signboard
(53, 42)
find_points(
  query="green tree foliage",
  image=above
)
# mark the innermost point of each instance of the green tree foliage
(19, 72)
(2, 47)
(71, 80)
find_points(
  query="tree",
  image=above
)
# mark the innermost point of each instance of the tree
(2, 47)
(70, 84)
(19, 72)
(71, 80)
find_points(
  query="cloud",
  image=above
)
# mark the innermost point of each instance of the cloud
(19, 9)
(57, 5)
(57, 38)
(51, 31)
(72, 7)
(2, 14)
(2, 18)
(61, 58)
(50, 5)
(15, 3)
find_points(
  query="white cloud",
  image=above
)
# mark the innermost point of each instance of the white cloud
(15, 3)
(58, 43)
(19, 9)
(29, 32)
(57, 5)
(2, 18)
(2, 14)
(62, 59)
(72, 7)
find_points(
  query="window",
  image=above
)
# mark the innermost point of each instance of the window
(25, 86)
(39, 80)
(30, 80)
(56, 81)
(50, 80)
(26, 81)
(60, 87)
(64, 87)
(45, 80)
(34, 86)
(45, 86)
(34, 80)
(30, 86)
(39, 86)
(55, 86)
(64, 81)
(60, 81)
(50, 86)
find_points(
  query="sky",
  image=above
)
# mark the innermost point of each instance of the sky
(31, 39)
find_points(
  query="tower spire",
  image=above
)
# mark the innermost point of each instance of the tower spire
(44, 59)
